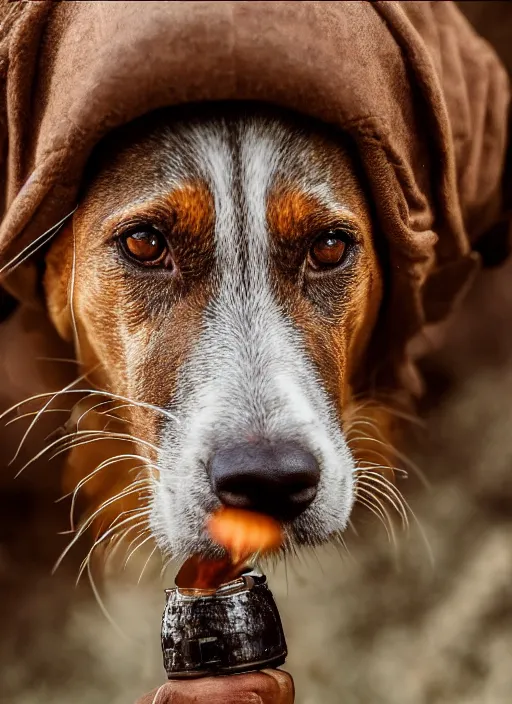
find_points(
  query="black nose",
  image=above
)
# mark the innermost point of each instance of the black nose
(278, 479)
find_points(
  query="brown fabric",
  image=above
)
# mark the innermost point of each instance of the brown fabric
(423, 97)
(265, 687)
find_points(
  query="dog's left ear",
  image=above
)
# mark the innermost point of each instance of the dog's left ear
(57, 280)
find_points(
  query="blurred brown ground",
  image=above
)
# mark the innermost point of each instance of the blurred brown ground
(381, 626)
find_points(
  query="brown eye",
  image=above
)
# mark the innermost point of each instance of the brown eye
(147, 247)
(329, 250)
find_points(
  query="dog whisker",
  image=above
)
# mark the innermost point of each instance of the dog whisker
(417, 522)
(340, 542)
(353, 528)
(111, 460)
(117, 539)
(376, 501)
(400, 456)
(376, 509)
(166, 561)
(103, 608)
(99, 392)
(60, 440)
(147, 563)
(397, 505)
(93, 436)
(132, 489)
(407, 508)
(373, 452)
(366, 422)
(64, 360)
(138, 546)
(89, 410)
(370, 473)
(109, 434)
(72, 300)
(82, 437)
(41, 411)
(106, 534)
(374, 476)
(143, 532)
(29, 250)
(82, 530)
(375, 466)
(375, 497)
(376, 401)
(33, 413)
(110, 412)
(103, 465)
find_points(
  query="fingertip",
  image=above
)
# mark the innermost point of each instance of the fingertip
(285, 685)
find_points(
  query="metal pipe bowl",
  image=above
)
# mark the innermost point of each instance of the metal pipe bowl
(235, 628)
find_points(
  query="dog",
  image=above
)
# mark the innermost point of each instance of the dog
(221, 276)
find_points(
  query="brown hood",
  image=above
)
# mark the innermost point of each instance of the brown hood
(423, 97)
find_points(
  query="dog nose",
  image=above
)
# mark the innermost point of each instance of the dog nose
(279, 479)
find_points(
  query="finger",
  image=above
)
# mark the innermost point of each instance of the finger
(265, 687)
(285, 687)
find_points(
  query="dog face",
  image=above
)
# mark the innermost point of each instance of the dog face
(222, 267)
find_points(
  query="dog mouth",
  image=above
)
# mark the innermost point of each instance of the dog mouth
(243, 535)
(181, 525)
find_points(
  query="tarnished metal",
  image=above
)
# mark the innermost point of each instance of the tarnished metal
(235, 628)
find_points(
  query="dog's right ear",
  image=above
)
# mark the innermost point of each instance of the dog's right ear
(57, 282)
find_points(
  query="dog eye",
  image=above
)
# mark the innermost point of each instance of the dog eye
(329, 250)
(147, 247)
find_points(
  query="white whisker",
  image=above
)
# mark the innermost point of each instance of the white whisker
(38, 415)
(118, 539)
(115, 397)
(72, 301)
(396, 505)
(88, 437)
(98, 542)
(369, 500)
(147, 563)
(34, 413)
(82, 531)
(65, 360)
(148, 538)
(74, 441)
(102, 606)
(40, 241)
(102, 465)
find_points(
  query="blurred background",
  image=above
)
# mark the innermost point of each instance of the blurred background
(425, 621)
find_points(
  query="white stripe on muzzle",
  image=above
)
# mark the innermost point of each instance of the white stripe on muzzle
(249, 376)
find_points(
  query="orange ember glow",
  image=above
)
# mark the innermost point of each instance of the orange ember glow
(242, 534)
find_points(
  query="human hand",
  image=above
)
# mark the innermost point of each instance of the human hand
(265, 687)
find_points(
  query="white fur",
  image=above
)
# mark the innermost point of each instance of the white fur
(249, 375)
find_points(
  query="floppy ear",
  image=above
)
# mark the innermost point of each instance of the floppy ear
(57, 282)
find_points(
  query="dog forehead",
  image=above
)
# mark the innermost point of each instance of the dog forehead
(161, 146)
(196, 165)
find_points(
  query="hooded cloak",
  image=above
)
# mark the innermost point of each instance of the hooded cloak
(423, 98)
